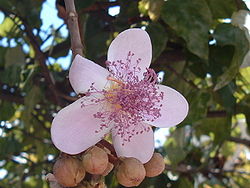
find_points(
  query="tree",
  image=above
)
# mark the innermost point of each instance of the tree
(194, 44)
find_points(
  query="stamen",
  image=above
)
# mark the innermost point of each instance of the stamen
(131, 101)
(114, 80)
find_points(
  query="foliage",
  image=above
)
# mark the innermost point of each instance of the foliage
(193, 44)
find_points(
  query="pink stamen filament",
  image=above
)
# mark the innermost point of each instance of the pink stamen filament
(131, 102)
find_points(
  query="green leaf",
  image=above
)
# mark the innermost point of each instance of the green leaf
(9, 146)
(2, 56)
(30, 100)
(227, 97)
(184, 183)
(158, 37)
(14, 56)
(7, 110)
(6, 26)
(11, 75)
(191, 20)
(222, 8)
(227, 34)
(217, 128)
(83, 4)
(176, 146)
(95, 38)
(151, 7)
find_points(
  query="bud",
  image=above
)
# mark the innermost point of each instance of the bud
(95, 160)
(155, 165)
(110, 167)
(130, 172)
(68, 171)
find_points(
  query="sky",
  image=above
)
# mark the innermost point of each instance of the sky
(53, 22)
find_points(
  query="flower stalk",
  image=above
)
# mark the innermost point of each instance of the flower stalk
(72, 21)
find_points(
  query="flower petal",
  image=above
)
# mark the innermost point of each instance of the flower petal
(174, 108)
(84, 72)
(133, 40)
(73, 128)
(140, 146)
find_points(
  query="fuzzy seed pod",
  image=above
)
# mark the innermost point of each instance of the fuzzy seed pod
(68, 171)
(95, 160)
(108, 169)
(130, 172)
(155, 165)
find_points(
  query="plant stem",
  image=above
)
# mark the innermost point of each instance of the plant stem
(72, 21)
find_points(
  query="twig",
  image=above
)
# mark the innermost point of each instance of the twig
(12, 98)
(40, 56)
(211, 114)
(76, 44)
(238, 4)
(240, 141)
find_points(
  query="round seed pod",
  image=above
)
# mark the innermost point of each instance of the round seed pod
(130, 172)
(155, 165)
(95, 160)
(68, 171)
(110, 167)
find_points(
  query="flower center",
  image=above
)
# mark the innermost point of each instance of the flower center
(130, 101)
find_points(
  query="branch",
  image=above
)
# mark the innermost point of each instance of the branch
(40, 56)
(211, 114)
(240, 141)
(12, 98)
(76, 44)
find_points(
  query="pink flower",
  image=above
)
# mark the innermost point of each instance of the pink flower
(124, 100)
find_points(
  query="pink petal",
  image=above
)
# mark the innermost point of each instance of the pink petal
(141, 146)
(84, 72)
(174, 109)
(136, 41)
(73, 128)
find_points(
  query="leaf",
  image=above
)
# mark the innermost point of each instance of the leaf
(2, 55)
(95, 38)
(14, 56)
(226, 34)
(191, 20)
(227, 97)
(7, 110)
(222, 8)
(218, 128)
(9, 146)
(83, 4)
(11, 75)
(30, 100)
(151, 7)
(184, 183)
(198, 101)
(176, 146)
(6, 26)
(158, 37)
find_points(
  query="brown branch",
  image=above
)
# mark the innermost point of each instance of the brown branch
(76, 44)
(39, 55)
(211, 114)
(12, 98)
(238, 4)
(240, 141)
(185, 169)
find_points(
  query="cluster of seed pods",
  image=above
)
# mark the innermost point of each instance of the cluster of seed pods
(88, 169)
